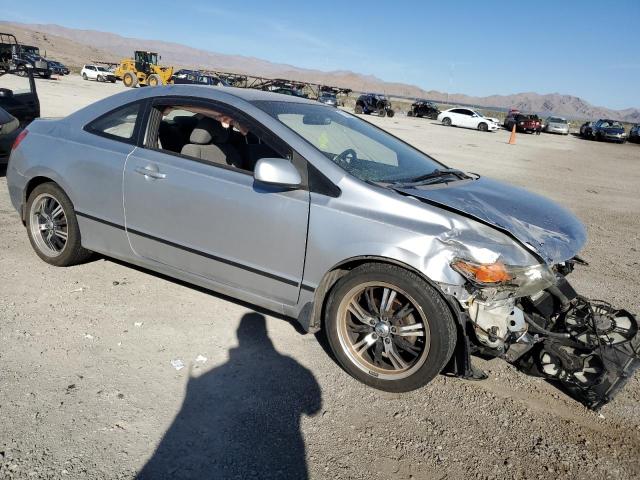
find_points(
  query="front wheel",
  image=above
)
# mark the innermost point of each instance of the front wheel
(358, 109)
(390, 113)
(52, 227)
(446, 121)
(154, 80)
(483, 127)
(389, 328)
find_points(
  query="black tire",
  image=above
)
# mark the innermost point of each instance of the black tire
(382, 112)
(129, 80)
(84, 76)
(100, 78)
(410, 114)
(390, 113)
(440, 326)
(483, 127)
(72, 253)
(358, 109)
(113, 80)
(154, 80)
(446, 121)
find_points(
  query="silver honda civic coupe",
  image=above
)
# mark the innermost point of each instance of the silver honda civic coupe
(408, 266)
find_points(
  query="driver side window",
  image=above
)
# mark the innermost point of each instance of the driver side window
(210, 135)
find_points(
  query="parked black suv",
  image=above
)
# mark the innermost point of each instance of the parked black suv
(424, 108)
(634, 133)
(374, 103)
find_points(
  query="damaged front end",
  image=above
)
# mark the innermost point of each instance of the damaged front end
(587, 347)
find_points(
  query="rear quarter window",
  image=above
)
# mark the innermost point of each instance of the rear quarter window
(119, 124)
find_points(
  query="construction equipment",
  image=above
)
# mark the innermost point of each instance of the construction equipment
(143, 69)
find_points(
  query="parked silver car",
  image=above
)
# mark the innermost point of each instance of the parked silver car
(407, 265)
(556, 125)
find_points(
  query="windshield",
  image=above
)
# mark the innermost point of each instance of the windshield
(363, 150)
(31, 50)
(556, 120)
(102, 69)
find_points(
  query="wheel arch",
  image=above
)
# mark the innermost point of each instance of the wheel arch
(342, 268)
(460, 362)
(39, 180)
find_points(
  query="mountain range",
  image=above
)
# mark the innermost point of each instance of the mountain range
(75, 47)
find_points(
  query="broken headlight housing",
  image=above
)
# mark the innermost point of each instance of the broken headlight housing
(519, 281)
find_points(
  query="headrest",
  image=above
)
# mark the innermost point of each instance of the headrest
(209, 130)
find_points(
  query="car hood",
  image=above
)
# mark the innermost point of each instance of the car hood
(553, 232)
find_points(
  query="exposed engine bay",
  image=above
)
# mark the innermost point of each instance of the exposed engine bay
(587, 347)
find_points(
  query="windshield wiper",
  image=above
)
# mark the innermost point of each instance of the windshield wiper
(437, 176)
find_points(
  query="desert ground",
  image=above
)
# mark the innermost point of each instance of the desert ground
(88, 389)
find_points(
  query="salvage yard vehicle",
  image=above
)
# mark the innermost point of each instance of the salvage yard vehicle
(22, 102)
(195, 77)
(21, 58)
(328, 98)
(423, 108)
(464, 117)
(407, 265)
(58, 68)
(143, 69)
(374, 103)
(97, 73)
(523, 123)
(9, 131)
(608, 130)
(586, 129)
(556, 125)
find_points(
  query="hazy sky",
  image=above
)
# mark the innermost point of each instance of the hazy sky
(586, 48)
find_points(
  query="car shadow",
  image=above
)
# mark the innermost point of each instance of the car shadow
(241, 419)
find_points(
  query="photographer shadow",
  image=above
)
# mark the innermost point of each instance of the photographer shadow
(241, 419)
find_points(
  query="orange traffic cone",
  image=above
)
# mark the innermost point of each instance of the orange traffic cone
(512, 138)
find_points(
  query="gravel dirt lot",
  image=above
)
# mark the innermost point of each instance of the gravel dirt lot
(87, 388)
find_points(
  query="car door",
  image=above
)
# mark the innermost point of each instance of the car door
(467, 119)
(214, 221)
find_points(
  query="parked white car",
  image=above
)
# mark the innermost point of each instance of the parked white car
(464, 117)
(97, 73)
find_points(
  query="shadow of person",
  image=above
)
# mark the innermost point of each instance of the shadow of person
(242, 419)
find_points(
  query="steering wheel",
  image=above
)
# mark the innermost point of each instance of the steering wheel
(345, 158)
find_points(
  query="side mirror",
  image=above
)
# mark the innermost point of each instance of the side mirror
(6, 93)
(277, 172)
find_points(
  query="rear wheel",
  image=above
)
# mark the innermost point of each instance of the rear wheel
(382, 112)
(100, 78)
(84, 76)
(390, 113)
(410, 114)
(52, 227)
(388, 328)
(154, 80)
(358, 109)
(483, 127)
(129, 79)
(446, 121)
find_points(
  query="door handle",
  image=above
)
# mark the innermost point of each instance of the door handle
(147, 172)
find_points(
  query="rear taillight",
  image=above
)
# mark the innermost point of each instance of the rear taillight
(18, 140)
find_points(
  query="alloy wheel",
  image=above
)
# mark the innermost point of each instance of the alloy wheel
(48, 224)
(383, 330)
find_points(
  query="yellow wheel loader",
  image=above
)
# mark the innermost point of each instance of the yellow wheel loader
(143, 69)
